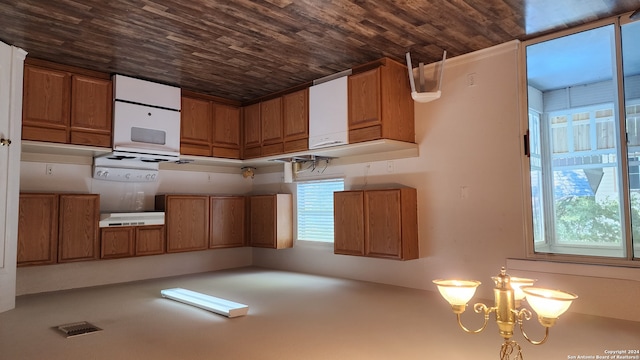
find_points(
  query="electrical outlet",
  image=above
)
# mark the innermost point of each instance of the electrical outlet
(48, 169)
(390, 166)
(472, 79)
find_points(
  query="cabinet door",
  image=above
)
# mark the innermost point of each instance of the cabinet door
(252, 126)
(295, 118)
(271, 114)
(37, 229)
(47, 95)
(364, 99)
(227, 225)
(187, 222)
(78, 227)
(348, 220)
(150, 240)
(262, 225)
(226, 131)
(296, 115)
(271, 221)
(195, 127)
(383, 232)
(117, 242)
(91, 104)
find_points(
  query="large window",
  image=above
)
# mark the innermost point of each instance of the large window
(315, 209)
(584, 141)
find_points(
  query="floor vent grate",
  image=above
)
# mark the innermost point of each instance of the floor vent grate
(77, 328)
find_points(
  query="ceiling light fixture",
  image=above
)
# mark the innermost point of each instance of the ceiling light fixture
(509, 292)
(207, 302)
(248, 171)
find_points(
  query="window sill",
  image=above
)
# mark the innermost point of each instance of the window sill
(586, 270)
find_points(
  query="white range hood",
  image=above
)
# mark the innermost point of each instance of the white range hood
(132, 219)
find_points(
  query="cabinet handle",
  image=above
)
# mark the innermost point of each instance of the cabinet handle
(5, 142)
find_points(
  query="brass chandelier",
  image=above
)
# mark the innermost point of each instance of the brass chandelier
(509, 292)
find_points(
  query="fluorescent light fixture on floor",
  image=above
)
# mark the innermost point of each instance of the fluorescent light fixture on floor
(207, 302)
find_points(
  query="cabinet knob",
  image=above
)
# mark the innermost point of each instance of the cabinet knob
(5, 142)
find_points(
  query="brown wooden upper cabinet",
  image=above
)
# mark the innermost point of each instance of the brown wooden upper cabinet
(271, 221)
(295, 118)
(348, 220)
(117, 242)
(66, 105)
(78, 227)
(376, 223)
(209, 128)
(37, 229)
(227, 225)
(186, 221)
(57, 228)
(125, 241)
(150, 240)
(380, 104)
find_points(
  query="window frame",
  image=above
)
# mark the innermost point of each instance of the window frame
(622, 152)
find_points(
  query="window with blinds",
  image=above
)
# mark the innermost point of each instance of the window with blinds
(315, 209)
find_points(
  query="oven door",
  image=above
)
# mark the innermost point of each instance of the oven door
(145, 129)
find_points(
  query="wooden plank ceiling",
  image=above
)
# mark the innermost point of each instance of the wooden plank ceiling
(243, 50)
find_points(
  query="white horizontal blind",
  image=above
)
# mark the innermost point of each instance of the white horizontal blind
(315, 209)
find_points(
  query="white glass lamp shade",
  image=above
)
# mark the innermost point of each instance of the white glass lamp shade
(548, 303)
(457, 292)
(517, 284)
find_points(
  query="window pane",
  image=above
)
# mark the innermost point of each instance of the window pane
(631, 71)
(315, 209)
(575, 173)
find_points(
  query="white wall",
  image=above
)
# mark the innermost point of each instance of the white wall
(470, 200)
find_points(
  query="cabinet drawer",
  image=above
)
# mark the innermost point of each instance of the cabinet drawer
(44, 134)
(90, 138)
(252, 152)
(275, 149)
(226, 153)
(296, 145)
(365, 134)
(196, 150)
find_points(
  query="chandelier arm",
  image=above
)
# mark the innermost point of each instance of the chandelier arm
(478, 308)
(526, 314)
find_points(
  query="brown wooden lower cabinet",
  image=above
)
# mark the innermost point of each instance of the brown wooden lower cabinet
(126, 241)
(377, 223)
